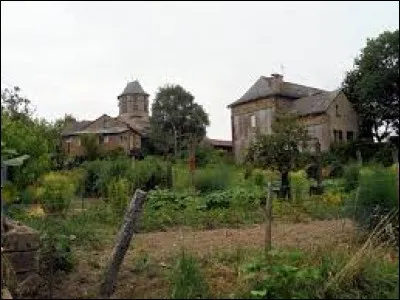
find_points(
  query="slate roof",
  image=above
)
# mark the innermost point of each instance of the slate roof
(75, 126)
(133, 87)
(221, 143)
(314, 104)
(263, 87)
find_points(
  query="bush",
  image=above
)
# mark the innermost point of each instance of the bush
(150, 173)
(377, 196)
(336, 170)
(56, 250)
(300, 185)
(351, 176)
(118, 195)
(56, 192)
(187, 280)
(259, 178)
(211, 179)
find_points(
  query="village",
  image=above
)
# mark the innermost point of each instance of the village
(146, 200)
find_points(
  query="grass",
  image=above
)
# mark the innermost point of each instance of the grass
(187, 280)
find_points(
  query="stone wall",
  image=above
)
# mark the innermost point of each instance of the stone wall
(20, 257)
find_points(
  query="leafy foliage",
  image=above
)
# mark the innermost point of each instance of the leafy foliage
(373, 86)
(118, 195)
(211, 179)
(176, 118)
(56, 192)
(279, 151)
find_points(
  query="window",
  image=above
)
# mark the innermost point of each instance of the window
(106, 139)
(311, 131)
(337, 111)
(340, 136)
(350, 135)
(121, 139)
(101, 139)
(253, 121)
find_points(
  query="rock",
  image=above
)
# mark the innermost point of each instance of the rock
(5, 294)
(30, 285)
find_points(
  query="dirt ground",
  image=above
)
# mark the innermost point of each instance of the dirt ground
(149, 280)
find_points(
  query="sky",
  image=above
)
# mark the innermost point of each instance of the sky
(77, 57)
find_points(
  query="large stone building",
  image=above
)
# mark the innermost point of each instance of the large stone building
(126, 131)
(328, 115)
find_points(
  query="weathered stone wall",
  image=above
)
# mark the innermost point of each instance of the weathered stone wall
(20, 256)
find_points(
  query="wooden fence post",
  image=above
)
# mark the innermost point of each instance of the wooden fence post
(268, 219)
(125, 235)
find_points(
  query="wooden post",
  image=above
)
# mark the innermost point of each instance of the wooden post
(268, 219)
(124, 238)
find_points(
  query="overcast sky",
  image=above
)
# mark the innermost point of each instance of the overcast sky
(76, 57)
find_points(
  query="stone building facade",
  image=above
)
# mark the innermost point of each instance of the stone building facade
(328, 115)
(125, 131)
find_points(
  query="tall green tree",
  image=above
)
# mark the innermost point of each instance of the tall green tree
(280, 150)
(373, 86)
(176, 119)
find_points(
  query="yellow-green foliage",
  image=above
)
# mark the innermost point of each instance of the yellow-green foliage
(55, 192)
(118, 194)
(300, 185)
(8, 193)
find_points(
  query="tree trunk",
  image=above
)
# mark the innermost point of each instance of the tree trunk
(124, 237)
(285, 185)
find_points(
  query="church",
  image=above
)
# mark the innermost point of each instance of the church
(125, 131)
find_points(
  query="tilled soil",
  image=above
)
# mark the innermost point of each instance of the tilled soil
(159, 247)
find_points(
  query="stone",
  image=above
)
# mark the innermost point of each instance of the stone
(23, 261)
(5, 294)
(30, 285)
(20, 239)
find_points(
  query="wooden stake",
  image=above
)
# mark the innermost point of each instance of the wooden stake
(268, 219)
(124, 238)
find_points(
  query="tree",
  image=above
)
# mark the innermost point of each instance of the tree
(90, 143)
(15, 106)
(280, 150)
(373, 85)
(176, 119)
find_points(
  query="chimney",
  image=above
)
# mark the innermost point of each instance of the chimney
(276, 82)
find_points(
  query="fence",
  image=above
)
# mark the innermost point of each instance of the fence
(269, 223)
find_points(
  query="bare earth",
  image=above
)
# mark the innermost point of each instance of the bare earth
(83, 282)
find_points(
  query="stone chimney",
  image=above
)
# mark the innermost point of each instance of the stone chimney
(276, 82)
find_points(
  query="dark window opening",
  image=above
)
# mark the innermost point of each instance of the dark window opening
(340, 135)
(101, 139)
(350, 135)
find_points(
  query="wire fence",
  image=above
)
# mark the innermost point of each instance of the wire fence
(304, 221)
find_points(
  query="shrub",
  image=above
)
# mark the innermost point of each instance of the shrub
(56, 250)
(336, 170)
(211, 179)
(259, 178)
(118, 194)
(377, 196)
(351, 176)
(97, 176)
(56, 192)
(150, 173)
(187, 281)
(300, 185)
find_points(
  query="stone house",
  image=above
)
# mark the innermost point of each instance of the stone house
(328, 115)
(126, 131)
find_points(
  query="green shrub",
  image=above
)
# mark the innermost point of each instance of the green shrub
(56, 250)
(259, 178)
(377, 196)
(150, 173)
(97, 176)
(187, 281)
(211, 179)
(56, 192)
(299, 185)
(336, 170)
(351, 176)
(118, 195)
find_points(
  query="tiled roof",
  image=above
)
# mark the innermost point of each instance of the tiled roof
(133, 88)
(264, 87)
(314, 104)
